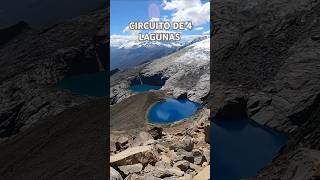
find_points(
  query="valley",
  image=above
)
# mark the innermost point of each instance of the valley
(156, 118)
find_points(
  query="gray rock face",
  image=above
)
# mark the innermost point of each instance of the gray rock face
(304, 164)
(263, 54)
(186, 71)
(115, 175)
(33, 61)
(234, 107)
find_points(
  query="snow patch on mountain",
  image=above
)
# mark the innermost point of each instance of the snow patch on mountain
(127, 51)
(187, 71)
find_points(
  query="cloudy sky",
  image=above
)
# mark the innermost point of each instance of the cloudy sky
(124, 11)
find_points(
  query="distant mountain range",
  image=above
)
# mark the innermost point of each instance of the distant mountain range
(126, 52)
(184, 72)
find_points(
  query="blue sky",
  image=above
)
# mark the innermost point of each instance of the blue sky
(124, 11)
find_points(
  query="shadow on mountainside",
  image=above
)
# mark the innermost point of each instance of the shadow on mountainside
(70, 145)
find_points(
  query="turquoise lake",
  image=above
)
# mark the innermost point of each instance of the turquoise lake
(240, 148)
(171, 110)
(86, 84)
(143, 87)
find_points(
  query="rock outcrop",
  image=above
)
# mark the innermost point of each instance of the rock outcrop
(266, 55)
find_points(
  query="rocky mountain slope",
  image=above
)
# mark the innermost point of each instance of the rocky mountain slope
(46, 133)
(32, 61)
(68, 146)
(183, 72)
(266, 66)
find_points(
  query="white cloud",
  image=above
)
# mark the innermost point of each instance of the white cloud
(189, 10)
(132, 32)
(206, 32)
(180, 4)
(198, 28)
(163, 31)
(154, 19)
(117, 36)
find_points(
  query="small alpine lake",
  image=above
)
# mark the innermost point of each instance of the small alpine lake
(171, 110)
(240, 148)
(94, 84)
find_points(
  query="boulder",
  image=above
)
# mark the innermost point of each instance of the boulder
(182, 154)
(186, 177)
(132, 177)
(122, 143)
(115, 175)
(134, 155)
(165, 159)
(198, 157)
(156, 132)
(142, 139)
(130, 169)
(162, 164)
(162, 173)
(165, 162)
(234, 107)
(172, 178)
(182, 165)
(195, 167)
(161, 148)
(148, 168)
(206, 153)
(185, 143)
(204, 174)
(207, 133)
(149, 177)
